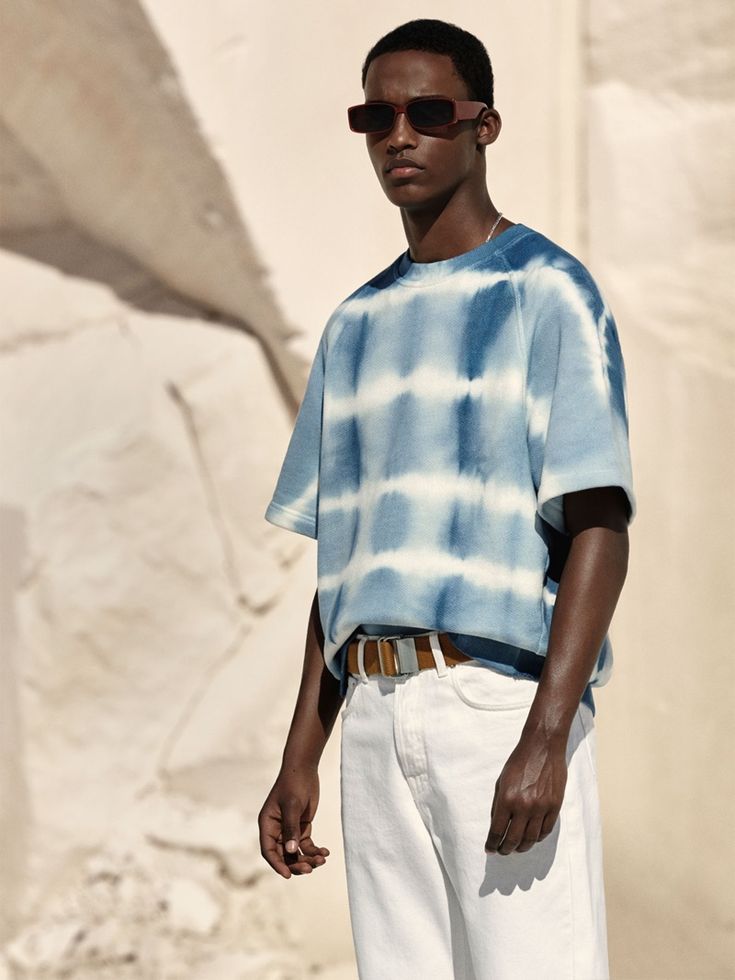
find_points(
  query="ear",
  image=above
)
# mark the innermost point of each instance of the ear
(488, 129)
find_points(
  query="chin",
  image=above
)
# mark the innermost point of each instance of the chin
(412, 199)
(405, 194)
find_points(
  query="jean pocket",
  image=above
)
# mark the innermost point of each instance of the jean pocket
(480, 686)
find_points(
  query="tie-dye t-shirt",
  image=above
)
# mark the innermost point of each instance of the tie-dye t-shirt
(449, 407)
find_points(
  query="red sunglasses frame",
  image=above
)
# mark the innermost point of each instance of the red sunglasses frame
(463, 109)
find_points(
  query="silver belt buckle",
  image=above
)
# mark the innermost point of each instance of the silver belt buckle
(403, 649)
(408, 660)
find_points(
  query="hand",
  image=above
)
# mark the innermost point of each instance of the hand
(528, 795)
(286, 816)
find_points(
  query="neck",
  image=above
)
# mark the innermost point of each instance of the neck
(456, 226)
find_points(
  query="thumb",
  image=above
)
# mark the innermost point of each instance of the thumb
(291, 821)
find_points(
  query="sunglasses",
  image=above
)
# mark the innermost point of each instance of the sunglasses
(425, 112)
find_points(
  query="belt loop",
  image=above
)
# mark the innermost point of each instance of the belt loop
(361, 659)
(441, 664)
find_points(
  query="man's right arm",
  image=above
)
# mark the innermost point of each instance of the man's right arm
(290, 807)
(317, 704)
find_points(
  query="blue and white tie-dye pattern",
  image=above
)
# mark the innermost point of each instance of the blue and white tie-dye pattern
(449, 407)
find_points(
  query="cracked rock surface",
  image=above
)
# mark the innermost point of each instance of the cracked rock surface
(148, 673)
(154, 235)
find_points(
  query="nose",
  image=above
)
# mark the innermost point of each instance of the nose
(402, 131)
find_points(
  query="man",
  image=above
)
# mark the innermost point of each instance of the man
(461, 455)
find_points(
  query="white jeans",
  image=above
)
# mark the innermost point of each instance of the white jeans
(420, 754)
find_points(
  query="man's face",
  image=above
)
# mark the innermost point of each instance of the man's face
(447, 156)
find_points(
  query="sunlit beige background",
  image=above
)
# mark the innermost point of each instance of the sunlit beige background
(176, 228)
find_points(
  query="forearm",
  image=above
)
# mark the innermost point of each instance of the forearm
(588, 592)
(317, 704)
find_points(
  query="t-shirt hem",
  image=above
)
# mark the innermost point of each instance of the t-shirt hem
(291, 520)
(572, 482)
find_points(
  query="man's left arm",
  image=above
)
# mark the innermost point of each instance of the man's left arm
(530, 789)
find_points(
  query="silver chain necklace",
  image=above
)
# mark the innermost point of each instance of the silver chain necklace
(500, 215)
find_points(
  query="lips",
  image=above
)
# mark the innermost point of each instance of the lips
(402, 162)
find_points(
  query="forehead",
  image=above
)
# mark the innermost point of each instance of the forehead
(401, 75)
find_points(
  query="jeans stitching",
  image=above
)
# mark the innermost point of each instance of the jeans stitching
(457, 686)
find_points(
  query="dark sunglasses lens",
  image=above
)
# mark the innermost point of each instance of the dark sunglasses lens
(430, 112)
(371, 118)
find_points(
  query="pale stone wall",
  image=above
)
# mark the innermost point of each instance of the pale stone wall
(173, 238)
(660, 186)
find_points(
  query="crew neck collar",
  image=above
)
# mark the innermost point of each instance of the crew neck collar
(410, 273)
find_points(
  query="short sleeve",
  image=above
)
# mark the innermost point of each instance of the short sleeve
(295, 497)
(577, 407)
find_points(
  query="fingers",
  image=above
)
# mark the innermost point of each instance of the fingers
(310, 849)
(503, 842)
(269, 825)
(501, 816)
(291, 809)
(297, 835)
(548, 825)
(532, 833)
(285, 862)
(311, 856)
(520, 833)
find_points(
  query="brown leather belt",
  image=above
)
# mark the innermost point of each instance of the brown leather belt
(394, 656)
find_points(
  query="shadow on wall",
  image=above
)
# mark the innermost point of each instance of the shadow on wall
(136, 746)
(130, 193)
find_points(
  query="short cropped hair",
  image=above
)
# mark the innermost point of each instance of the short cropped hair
(469, 56)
